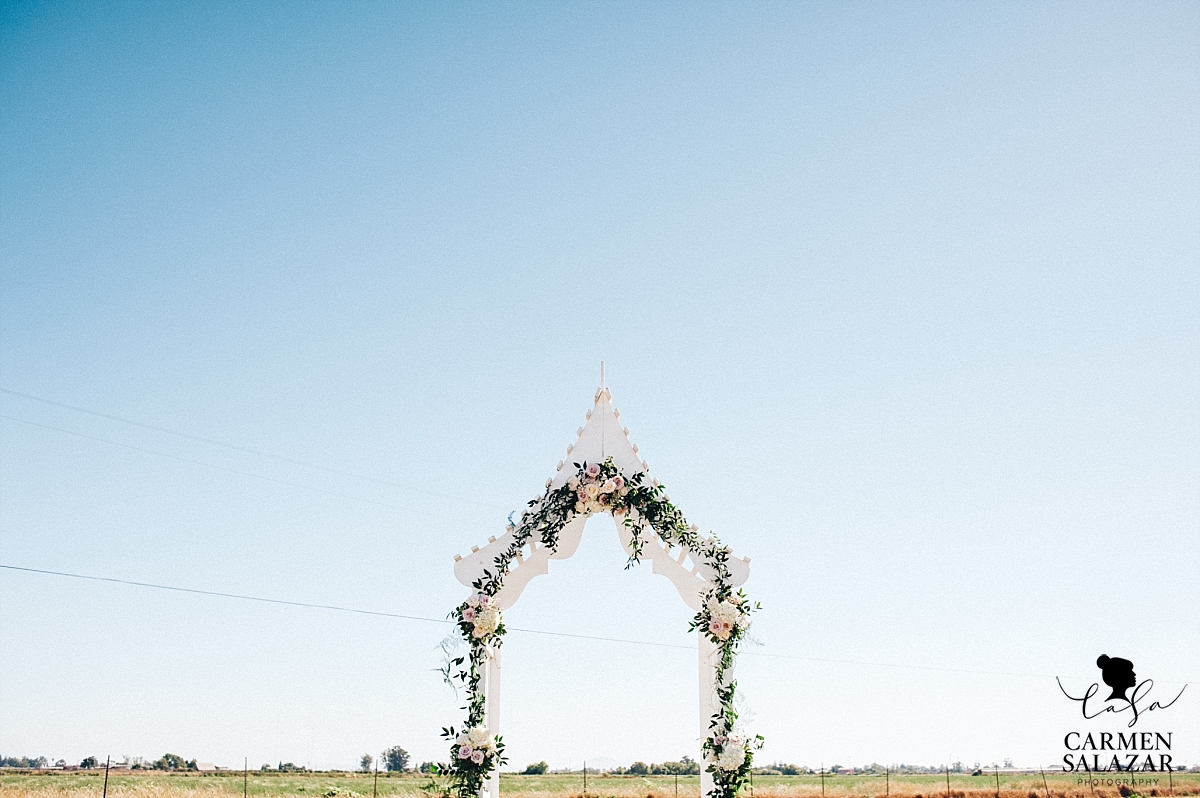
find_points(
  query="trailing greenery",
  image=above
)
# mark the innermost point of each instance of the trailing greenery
(644, 509)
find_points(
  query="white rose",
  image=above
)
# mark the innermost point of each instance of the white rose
(591, 490)
(732, 757)
(573, 483)
(461, 739)
(608, 487)
(486, 622)
(727, 611)
(478, 736)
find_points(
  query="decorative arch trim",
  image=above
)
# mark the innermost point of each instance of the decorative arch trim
(604, 477)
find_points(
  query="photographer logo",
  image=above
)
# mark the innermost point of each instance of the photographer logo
(1092, 751)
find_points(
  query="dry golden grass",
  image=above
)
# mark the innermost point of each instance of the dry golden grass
(569, 785)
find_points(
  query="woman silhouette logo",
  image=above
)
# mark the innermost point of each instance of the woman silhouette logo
(1118, 674)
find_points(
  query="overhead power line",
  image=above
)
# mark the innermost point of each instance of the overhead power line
(199, 592)
(200, 463)
(444, 621)
(379, 481)
(232, 447)
(310, 605)
(227, 470)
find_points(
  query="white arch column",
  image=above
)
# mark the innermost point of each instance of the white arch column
(709, 656)
(491, 708)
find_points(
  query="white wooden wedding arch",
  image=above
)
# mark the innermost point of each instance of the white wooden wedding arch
(600, 438)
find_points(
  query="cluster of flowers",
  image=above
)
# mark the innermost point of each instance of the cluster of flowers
(725, 616)
(482, 614)
(475, 744)
(732, 754)
(595, 493)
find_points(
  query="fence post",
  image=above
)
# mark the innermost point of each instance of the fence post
(106, 761)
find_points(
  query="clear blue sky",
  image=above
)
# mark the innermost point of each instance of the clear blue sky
(902, 300)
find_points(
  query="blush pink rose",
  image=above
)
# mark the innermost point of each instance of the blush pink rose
(464, 752)
(468, 614)
(593, 470)
(720, 629)
(477, 757)
(619, 482)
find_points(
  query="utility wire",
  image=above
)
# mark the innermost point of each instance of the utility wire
(376, 480)
(309, 605)
(227, 470)
(377, 613)
(202, 463)
(236, 448)
(218, 593)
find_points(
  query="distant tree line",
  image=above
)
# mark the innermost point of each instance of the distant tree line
(173, 762)
(165, 762)
(394, 760)
(686, 766)
(783, 769)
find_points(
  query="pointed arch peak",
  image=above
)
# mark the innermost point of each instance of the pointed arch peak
(600, 438)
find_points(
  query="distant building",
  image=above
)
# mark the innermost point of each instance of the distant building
(206, 767)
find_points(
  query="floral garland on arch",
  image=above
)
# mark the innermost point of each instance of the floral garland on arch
(643, 508)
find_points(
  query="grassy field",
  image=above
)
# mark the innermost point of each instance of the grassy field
(149, 784)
